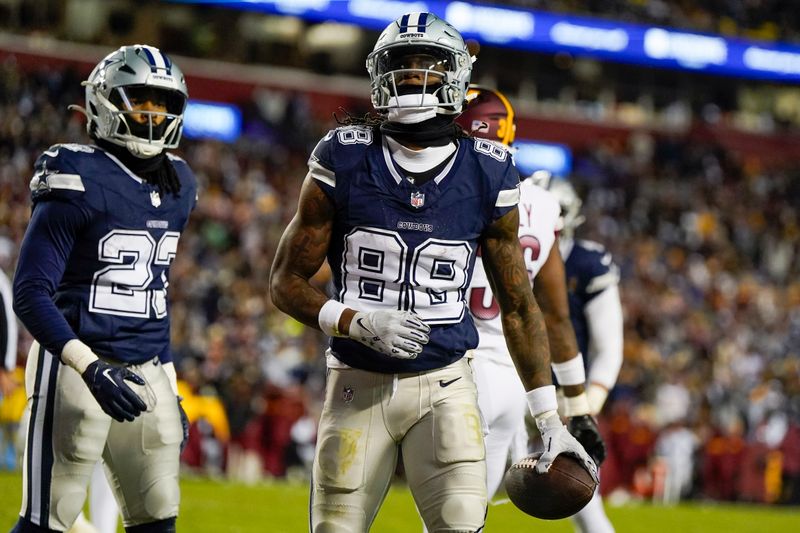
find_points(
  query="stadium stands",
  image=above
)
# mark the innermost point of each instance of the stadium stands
(702, 219)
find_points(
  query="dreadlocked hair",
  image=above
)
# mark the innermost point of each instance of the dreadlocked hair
(158, 171)
(166, 178)
(368, 119)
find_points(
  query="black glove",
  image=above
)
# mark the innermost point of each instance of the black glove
(184, 424)
(584, 429)
(107, 385)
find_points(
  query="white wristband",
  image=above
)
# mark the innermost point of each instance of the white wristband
(570, 372)
(597, 395)
(542, 399)
(77, 355)
(576, 405)
(328, 318)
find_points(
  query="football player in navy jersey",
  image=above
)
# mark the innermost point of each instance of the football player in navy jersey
(91, 287)
(399, 206)
(501, 398)
(596, 312)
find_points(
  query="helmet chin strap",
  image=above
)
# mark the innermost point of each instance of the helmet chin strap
(407, 109)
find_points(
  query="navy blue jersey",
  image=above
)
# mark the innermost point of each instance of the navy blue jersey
(589, 271)
(94, 263)
(396, 245)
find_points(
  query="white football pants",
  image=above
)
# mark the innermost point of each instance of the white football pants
(68, 433)
(369, 418)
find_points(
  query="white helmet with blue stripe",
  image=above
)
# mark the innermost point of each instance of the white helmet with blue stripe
(422, 45)
(130, 74)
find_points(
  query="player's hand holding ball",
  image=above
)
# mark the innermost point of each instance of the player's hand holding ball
(398, 334)
(556, 483)
(557, 440)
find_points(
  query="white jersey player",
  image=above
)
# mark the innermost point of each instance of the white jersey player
(501, 397)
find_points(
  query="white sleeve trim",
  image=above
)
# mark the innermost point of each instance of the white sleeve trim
(508, 198)
(10, 355)
(604, 315)
(320, 173)
(603, 281)
(71, 182)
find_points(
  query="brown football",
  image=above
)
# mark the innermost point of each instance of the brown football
(561, 492)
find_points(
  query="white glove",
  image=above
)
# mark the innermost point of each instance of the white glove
(398, 334)
(557, 440)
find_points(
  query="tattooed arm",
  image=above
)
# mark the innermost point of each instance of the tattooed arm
(301, 252)
(550, 290)
(523, 323)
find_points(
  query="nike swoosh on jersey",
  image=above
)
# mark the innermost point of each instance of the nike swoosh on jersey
(443, 383)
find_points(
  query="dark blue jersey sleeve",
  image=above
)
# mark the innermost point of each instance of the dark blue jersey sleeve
(43, 258)
(321, 164)
(508, 197)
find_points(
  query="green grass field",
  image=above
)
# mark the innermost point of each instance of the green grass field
(222, 507)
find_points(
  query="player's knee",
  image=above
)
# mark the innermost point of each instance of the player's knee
(463, 514)
(162, 499)
(337, 518)
(67, 505)
(166, 525)
(24, 525)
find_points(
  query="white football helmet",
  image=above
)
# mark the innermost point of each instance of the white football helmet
(136, 72)
(420, 44)
(570, 217)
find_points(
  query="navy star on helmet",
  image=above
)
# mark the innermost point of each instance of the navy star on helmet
(122, 76)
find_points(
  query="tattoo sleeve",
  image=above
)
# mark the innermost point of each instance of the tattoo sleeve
(550, 290)
(301, 252)
(523, 323)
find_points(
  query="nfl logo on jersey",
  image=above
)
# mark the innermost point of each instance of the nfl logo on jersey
(155, 198)
(417, 199)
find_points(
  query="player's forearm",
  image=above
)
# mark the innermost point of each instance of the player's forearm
(294, 295)
(551, 293)
(523, 323)
(563, 348)
(526, 337)
(35, 308)
(301, 252)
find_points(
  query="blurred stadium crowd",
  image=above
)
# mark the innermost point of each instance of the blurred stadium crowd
(554, 84)
(762, 19)
(708, 400)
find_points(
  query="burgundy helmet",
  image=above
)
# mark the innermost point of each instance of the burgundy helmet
(488, 115)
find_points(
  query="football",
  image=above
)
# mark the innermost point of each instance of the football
(561, 492)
